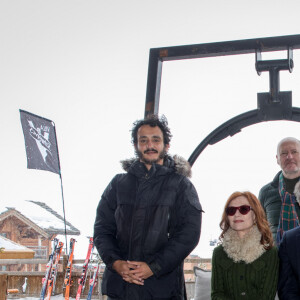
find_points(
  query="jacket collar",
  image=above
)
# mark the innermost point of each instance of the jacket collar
(275, 181)
(247, 249)
(275, 184)
(171, 164)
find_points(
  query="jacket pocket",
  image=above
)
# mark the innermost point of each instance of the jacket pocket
(157, 229)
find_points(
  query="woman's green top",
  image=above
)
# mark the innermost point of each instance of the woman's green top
(238, 280)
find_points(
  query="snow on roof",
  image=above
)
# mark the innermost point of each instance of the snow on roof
(10, 245)
(44, 217)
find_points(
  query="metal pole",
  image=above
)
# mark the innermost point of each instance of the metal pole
(63, 202)
(62, 190)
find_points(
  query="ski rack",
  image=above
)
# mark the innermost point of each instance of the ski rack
(94, 271)
(83, 276)
(271, 106)
(67, 279)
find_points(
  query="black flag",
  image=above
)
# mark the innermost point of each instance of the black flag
(40, 142)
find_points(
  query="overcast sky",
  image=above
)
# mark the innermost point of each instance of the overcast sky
(83, 64)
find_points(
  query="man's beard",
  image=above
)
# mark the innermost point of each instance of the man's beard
(295, 170)
(161, 155)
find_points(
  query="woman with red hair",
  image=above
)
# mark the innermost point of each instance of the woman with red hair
(245, 264)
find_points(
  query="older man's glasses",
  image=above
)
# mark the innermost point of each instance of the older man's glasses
(243, 209)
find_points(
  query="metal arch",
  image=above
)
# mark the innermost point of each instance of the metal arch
(235, 125)
(158, 55)
(272, 106)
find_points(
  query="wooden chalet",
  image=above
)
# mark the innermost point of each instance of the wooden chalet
(34, 225)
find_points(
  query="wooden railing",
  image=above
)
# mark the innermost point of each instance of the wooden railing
(16, 279)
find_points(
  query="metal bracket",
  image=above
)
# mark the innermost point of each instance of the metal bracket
(269, 110)
(273, 67)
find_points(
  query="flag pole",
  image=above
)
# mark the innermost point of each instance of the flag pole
(62, 189)
(63, 202)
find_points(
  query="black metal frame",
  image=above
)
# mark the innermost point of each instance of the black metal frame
(274, 105)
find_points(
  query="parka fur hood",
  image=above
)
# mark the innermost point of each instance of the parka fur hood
(181, 166)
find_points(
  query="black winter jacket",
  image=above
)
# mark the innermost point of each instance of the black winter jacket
(271, 202)
(153, 217)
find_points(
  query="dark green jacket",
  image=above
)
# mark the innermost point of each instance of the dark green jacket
(270, 200)
(254, 281)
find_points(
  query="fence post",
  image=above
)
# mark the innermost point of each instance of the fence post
(64, 264)
(3, 286)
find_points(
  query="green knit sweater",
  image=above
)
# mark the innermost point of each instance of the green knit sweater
(253, 281)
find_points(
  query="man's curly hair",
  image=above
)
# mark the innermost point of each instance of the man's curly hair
(153, 121)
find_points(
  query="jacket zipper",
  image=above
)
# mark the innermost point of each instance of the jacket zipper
(133, 215)
(131, 229)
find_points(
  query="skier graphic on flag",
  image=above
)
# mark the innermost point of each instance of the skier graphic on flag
(40, 142)
(41, 136)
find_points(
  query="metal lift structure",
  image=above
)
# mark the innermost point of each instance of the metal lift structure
(271, 106)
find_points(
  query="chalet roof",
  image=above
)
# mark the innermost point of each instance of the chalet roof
(40, 217)
(10, 245)
(13, 250)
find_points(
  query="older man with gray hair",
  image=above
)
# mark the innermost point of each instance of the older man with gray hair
(281, 197)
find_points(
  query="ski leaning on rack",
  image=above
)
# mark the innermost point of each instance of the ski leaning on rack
(67, 280)
(54, 269)
(94, 279)
(48, 270)
(82, 279)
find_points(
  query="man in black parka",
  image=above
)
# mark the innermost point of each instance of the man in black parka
(148, 220)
